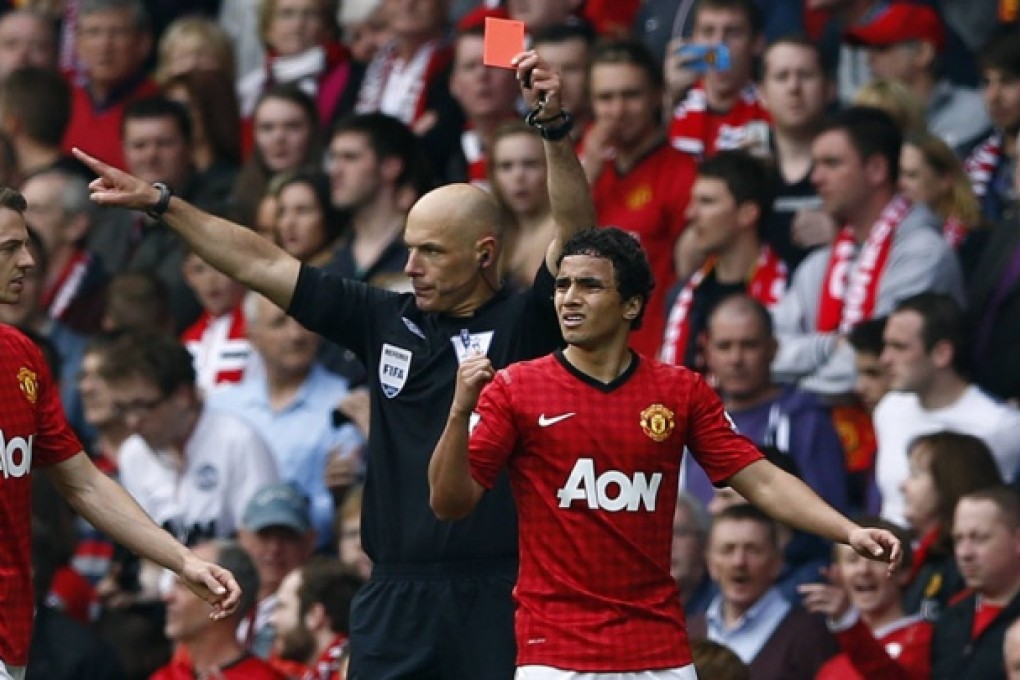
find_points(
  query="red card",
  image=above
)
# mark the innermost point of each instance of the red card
(504, 39)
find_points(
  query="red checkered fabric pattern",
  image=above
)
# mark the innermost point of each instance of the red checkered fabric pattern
(594, 470)
(33, 433)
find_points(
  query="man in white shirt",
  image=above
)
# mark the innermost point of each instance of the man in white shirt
(923, 338)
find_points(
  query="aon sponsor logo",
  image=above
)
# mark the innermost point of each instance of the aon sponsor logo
(612, 490)
(15, 456)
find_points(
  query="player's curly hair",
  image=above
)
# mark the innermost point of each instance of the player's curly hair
(630, 264)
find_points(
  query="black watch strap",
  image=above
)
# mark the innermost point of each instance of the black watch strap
(165, 193)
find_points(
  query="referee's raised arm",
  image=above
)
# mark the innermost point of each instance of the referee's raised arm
(235, 250)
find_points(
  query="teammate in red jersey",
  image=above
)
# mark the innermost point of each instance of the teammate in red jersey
(592, 437)
(35, 434)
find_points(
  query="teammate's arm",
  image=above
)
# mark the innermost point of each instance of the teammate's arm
(236, 251)
(110, 508)
(453, 492)
(569, 193)
(791, 501)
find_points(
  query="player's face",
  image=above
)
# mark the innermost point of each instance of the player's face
(294, 641)
(15, 260)
(217, 292)
(794, 88)
(444, 266)
(276, 551)
(301, 221)
(739, 352)
(353, 169)
(712, 215)
(866, 582)
(743, 561)
(519, 174)
(282, 134)
(838, 174)
(920, 497)
(588, 304)
(286, 347)
(623, 99)
(909, 365)
(187, 615)
(987, 548)
(872, 379)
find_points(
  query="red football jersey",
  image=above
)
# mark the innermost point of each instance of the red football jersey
(594, 471)
(649, 203)
(697, 131)
(900, 650)
(33, 433)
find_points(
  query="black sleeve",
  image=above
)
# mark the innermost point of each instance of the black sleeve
(339, 309)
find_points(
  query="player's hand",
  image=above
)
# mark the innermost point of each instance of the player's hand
(830, 598)
(117, 188)
(474, 373)
(877, 544)
(812, 228)
(538, 79)
(212, 583)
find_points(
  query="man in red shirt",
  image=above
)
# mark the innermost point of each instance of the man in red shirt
(312, 620)
(593, 437)
(35, 434)
(723, 109)
(209, 648)
(639, 183)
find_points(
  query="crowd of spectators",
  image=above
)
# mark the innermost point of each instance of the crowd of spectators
(829, 206)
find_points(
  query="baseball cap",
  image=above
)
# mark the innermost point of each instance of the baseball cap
(900, 22)
(277, 505)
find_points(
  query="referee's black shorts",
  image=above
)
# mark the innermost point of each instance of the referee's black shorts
(435, 622)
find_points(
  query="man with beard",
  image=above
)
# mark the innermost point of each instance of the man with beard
(312, 619)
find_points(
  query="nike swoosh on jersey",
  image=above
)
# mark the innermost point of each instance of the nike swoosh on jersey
(546, 422)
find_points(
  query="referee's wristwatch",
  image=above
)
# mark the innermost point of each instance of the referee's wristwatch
(165, 193)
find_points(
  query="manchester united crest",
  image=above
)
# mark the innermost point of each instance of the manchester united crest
(29, 384)
(658, 422)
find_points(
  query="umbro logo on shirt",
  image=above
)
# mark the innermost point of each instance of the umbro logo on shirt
(546, 422)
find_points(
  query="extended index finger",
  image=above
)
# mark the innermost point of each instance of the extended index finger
(94, 164)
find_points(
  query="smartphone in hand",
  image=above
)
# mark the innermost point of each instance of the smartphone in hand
(702, 58)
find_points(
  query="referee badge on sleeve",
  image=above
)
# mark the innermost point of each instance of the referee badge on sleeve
(394, 365)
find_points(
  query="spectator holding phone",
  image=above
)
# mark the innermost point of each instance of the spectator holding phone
(709, 79)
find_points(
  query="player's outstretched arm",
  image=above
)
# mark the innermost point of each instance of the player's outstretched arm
(236, 251)
(792, 502)
(569, 192)
(106, 505)
(453, 492)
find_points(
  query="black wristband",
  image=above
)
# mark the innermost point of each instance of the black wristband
(165, 193)
(564, 123)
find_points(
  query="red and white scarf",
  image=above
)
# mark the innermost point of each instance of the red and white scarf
(849, 291)
(477, 161)
(767, 283)
(61, 293)
(981, 163)
(426, 62)
(954, 231)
